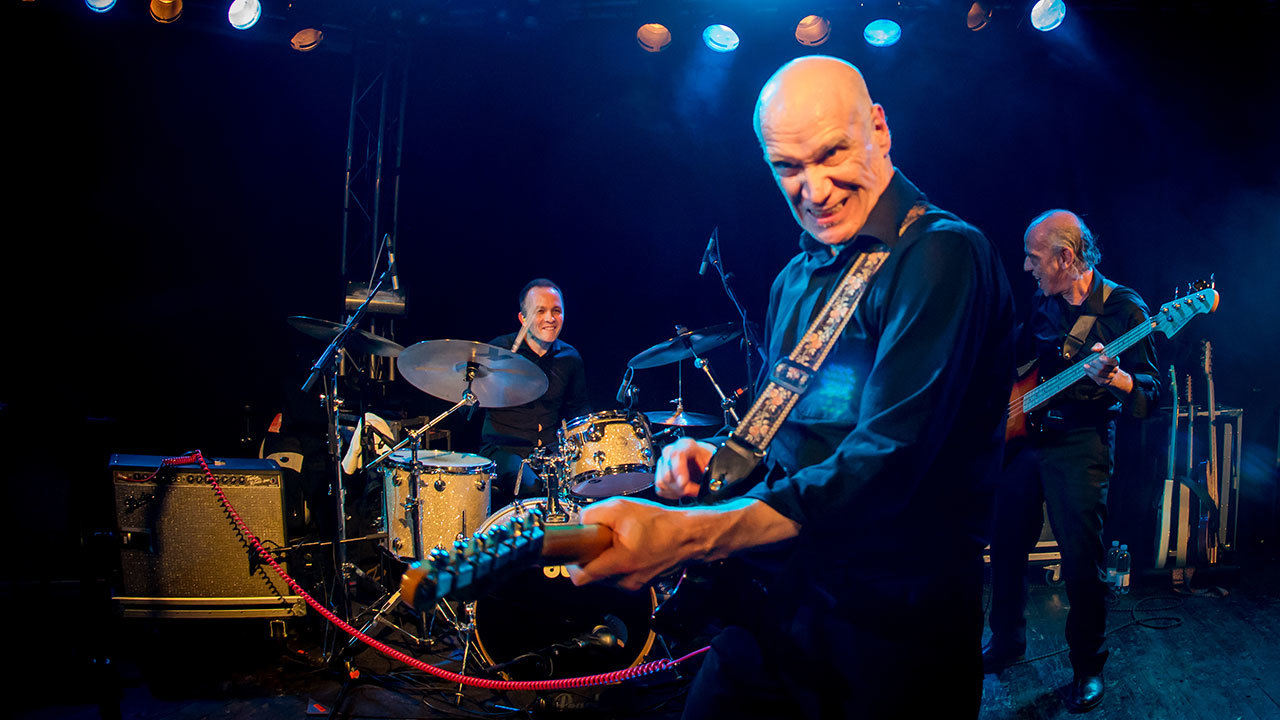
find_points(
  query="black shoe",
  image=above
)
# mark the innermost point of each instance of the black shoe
(995, 659)
(1084, 693)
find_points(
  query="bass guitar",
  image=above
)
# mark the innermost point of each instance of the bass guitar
(1030, 394)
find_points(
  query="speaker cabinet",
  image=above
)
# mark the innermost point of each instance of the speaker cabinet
(180, 552)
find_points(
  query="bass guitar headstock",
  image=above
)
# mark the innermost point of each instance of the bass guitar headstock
(1200, 299)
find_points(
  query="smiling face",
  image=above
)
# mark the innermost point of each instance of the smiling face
(546, 307)
(1051, 266)
(827, 144)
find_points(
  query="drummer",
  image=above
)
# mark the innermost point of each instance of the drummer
(511, 434)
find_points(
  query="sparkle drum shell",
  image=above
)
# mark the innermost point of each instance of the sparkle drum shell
(607, 454)
(453, 498)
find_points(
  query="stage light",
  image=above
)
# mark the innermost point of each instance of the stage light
(813, 30)
(653, 37)
(979, 14)
(243, 14)
(306, 39)
(166, 11)
(720, 38)
(1048, 14)
(100, 5)
(882, 33)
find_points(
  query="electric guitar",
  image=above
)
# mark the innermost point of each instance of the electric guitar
(1206, 531)
(1029, 393)
(480, 563)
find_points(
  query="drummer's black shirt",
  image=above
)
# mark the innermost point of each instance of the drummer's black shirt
(565, 398)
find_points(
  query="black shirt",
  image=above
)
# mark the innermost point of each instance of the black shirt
(890, 449)
(1086, 402)
(565, 398)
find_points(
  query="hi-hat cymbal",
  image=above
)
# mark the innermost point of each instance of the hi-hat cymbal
(685, 345)
(682, 418)
(502, 378)
(359, 342)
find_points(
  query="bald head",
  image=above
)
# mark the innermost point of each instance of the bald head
(827, 143)
(1064, 230)
(809, 87)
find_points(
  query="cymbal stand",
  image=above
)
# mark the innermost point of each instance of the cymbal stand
(703, 364)
(327, 364)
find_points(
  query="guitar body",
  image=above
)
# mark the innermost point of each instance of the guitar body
(1017, 425)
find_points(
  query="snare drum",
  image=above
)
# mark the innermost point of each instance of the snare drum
(453, 498)
(608, 453)
(539, 611)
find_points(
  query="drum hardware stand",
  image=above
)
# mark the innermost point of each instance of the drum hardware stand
(328, 364)
(703, 364)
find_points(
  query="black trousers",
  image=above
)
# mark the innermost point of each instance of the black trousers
(1068, 471)
(880, 654)
(515, 479)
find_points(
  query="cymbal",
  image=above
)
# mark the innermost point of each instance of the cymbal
(682, 418)
(359, 342)
(684, 346)
(502, 379)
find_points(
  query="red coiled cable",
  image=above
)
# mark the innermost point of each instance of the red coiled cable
(562, 684)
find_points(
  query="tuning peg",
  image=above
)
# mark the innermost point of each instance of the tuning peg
(479, 542)
(439, 558)
(461, 548)
(1212, 281)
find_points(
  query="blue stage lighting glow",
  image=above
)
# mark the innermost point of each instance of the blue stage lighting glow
(1048, 14)
(882, 33)
(100, 5)
(720, 38)
(244, 14)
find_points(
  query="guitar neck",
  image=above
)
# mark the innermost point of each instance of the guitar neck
(574, 544)
(1042, 393)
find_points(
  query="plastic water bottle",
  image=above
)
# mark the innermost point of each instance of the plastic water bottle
(1113, 555)
(1122, 570)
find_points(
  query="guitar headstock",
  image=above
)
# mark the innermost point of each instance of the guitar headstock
(476, 563)
(1206, 357)
(1201, 298)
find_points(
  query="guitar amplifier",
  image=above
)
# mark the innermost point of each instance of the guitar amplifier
(180, 552)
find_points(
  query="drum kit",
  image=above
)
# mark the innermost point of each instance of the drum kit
(538, 624)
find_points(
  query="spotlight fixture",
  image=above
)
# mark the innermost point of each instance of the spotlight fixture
(882, 33)
(720, 38)
(166, 11)
(979, 15)
(813, 30)
(653, 37)
(243, 14)
(306, 39)
(1048, 14)
(100, 6)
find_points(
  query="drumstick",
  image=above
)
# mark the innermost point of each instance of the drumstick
(524, 330)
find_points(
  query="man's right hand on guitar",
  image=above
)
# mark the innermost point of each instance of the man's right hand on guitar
(680, 469)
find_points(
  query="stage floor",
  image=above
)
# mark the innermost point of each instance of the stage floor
(1220, 660)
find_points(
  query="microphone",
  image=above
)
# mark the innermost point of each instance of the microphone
(610, 633)
(625, 388)
(706, 254)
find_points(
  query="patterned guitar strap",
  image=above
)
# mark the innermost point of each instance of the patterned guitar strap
(791, 376)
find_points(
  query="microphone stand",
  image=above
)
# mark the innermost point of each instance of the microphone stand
(328, 364)
(752, 347)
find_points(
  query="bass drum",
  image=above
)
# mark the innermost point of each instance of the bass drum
(537, 617)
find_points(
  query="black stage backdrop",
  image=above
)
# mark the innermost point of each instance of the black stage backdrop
(176, 192)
